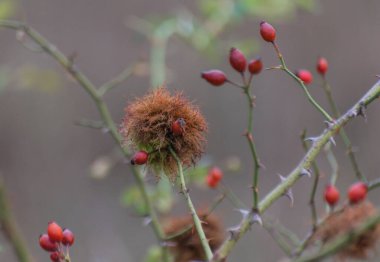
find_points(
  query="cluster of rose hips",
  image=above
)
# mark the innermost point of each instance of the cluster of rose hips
(213, 177)
(177, 128)
(356, 193)
(55, 240)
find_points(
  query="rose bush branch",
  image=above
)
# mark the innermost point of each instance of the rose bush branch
(96, 95)
(299, 171)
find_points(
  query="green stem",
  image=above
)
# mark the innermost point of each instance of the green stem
(314, 215)
(300, 82)
(197, 221)
(9, 227)
(295, 175)
(342, 132)
(96, 96)
(252, 146)
(340, 242)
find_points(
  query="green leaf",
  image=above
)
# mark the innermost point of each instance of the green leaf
(154, 254)
(162, 196)
(7, 8)
(132, 197)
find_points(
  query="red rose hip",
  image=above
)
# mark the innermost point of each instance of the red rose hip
(55, 232)
(214, 77)
(357, 192)
(216, 173)
(47, 244)
(322, 65)
(267, 31)
(255, 66)
(68, 237)
(211, 182)
(140, 158)
(305, 76)
(238, 60)
(331, 195)
(55, 256)
(178, 126)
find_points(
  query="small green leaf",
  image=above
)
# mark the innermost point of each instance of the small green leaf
(132, 197)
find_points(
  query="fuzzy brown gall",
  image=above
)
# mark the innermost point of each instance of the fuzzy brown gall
(305, 76)
(322, 66)
(147, 126)
(357, 192)
(267, 31)
(255, 66)
(140, 158)
(331, 195)
(344, 221)
(214, 77)
(238, 60)
(187, 246)
(54, 231)
(47, 244)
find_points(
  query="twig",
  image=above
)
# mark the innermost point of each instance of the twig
(305, 163)
(342, 132)
(374, 184)
(9, 227)
(333, 163)
(341, 241)
(314, 215)
(197, 221)
(90, 88)
(300, 82)
(124, 75)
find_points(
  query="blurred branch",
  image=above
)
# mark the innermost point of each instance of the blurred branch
(124, 75)
(89, 87)
(8, 225)
(296, 174)
(333, 163)
(342, 132)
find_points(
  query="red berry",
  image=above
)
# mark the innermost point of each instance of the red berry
(55, 256)
(238, 60)
(305, 76)
(47, 244)
(216, 174)
(211, 182)
(140, 158)
(255, 66)
(68, 237)
(178, 126)
(267, 31)
(331, 195)
(214, 77)
(55, 232)
(357, 192)
(322, 66)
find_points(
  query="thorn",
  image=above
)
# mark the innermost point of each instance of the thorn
(378, 76)
(256, 218)
(362, 111)
(332, 140)
(282, 178)
(329, 124)
(290, 196)
(261, 165)
(234, 231)
(274, 67)
(168, 244)
(147, 221)
(305, 172)
(312, 139)
(244, 212)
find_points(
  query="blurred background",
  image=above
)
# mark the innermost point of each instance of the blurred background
(55, 169)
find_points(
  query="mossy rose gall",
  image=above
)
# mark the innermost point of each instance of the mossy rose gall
(148, 126)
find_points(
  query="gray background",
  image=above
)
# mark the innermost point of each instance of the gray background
(44, 158)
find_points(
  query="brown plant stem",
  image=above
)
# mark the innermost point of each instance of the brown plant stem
(10, 229)
(295, 175)
(342, 132)
(104, 112)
